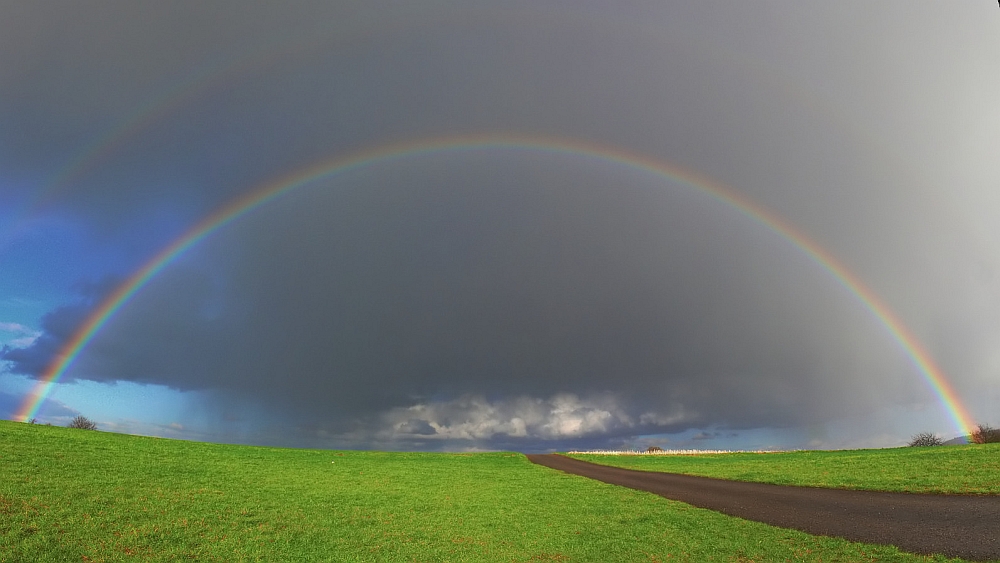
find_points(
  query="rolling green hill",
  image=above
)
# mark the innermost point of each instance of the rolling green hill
(78, 495)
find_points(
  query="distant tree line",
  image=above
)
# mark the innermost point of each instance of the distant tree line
(983, 434)
(80, 422)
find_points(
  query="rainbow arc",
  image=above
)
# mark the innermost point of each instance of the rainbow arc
(933, 375)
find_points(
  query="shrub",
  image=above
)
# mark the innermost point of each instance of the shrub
(925, 439)
(652, 449)
(83, 422)
(985, 434)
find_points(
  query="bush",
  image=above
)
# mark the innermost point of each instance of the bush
(83, 422)
(925, 439)
(985, 434)
(652, 449)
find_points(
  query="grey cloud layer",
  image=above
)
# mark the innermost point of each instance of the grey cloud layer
(478, 288)
(506, 276)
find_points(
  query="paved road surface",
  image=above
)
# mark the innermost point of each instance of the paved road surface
(966, 526)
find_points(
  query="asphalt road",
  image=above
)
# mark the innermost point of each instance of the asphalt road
(966, 526)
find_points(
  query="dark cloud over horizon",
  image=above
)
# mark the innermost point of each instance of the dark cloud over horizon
(501, 296)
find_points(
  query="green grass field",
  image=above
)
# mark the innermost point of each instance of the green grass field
(970, 469)
(78, 495)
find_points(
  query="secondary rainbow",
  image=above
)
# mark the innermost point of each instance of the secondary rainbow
(920, 358)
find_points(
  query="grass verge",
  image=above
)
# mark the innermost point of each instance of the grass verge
(74, 495)
(971, 469)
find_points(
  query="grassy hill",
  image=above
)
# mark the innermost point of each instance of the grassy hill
(78, 495)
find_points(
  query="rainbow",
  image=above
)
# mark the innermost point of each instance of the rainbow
(271, 191)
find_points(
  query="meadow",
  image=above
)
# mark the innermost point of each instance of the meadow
(970, 469)
(80, 495)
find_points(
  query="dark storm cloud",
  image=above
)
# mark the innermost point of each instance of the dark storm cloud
(497, 297)
(484, 288)
(58, 327)
(255, 99)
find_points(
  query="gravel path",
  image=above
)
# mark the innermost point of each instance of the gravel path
(966, 526)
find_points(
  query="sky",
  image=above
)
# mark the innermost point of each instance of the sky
(532, 226)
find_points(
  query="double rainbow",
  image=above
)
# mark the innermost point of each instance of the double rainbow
(920, 358)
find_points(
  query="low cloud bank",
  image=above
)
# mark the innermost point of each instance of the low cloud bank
(473, 417)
